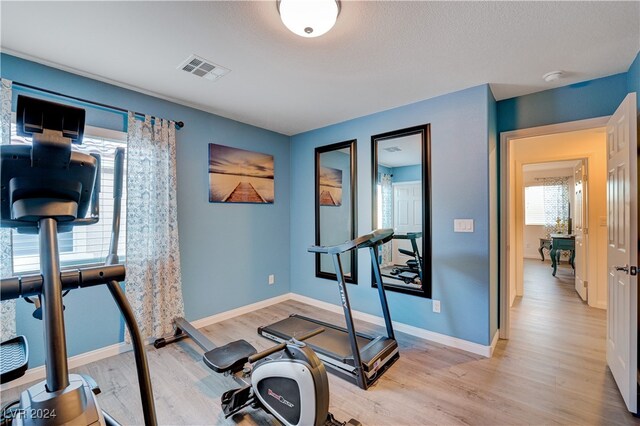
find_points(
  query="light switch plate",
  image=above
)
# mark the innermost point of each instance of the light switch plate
(462, 225)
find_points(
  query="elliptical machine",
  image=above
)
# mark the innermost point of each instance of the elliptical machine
(287, 380)
(45, 189)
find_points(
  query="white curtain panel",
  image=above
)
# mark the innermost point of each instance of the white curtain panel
(8, 308)
(153, 283)
(387, 214)
(556, 204)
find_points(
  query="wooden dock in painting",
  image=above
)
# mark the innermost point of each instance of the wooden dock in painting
(244, 193)
(326, 199)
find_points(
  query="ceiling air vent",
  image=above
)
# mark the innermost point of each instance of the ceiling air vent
(392, 149)
(203, 68)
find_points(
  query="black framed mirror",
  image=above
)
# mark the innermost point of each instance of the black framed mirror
(335, 205)
(401, 199)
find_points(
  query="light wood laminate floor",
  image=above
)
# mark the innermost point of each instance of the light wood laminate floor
(552, 371)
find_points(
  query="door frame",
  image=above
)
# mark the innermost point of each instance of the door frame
(505, 197)
(583, 262)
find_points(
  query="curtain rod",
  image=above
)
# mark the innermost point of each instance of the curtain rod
(179, 124)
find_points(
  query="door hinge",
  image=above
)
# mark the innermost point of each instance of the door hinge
(585, 284)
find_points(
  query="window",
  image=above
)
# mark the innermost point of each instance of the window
(534, 205)
(547, 204)
(85, 245)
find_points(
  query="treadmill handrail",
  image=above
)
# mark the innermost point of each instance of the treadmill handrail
(408, 236)
(377, 237)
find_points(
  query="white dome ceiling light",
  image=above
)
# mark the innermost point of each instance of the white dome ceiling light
(309, 18)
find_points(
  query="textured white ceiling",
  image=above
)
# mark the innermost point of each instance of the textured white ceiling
(378, 56)
(410, 151)
(552, 165)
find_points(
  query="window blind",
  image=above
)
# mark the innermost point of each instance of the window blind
(534, 205)
(85, 245)
(548, 203)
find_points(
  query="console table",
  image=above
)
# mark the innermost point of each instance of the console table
(561, 242)
(545, 243)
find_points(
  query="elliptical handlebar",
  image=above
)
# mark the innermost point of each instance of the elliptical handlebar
(142, 365)
(31, 285)
(118, 178)
(374, 238)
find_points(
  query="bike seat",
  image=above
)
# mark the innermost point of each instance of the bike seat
(230, 357)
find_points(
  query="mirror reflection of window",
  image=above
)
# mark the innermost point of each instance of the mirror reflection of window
(399, 206)
(334, 206)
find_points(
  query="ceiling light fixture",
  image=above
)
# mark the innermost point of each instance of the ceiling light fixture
(552, 76)
(309, 18)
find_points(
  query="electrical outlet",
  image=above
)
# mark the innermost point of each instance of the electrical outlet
(272, 279)
(436, 306)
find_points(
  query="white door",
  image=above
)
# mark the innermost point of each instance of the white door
(407, 217)
(580, 228)
(622, 250)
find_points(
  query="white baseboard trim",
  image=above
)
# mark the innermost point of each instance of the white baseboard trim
(432, 336)
(222, 316)
(38, 373)
(600, 305)
(494, 342)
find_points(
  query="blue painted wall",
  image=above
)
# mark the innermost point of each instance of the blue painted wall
(402, 174)
(227, 251)
(589, 99)
(406, 174)
(633, 78)
(460, 261)
(385, 170)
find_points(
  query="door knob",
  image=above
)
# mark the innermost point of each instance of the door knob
(627, 269)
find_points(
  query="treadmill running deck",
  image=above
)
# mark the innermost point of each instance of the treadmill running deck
(333, 341)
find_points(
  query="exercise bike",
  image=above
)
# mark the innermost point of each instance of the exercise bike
(287, 380)
(45, 189)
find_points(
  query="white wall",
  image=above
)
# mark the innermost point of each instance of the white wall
(533, 233)
(589, 144)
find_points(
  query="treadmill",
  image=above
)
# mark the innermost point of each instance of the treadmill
(346, 353)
